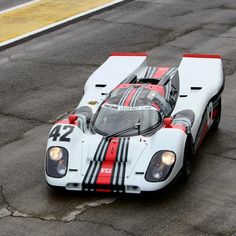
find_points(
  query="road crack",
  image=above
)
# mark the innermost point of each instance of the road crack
(9, 115)
(109, 225)
(225, 157)
(9, 211)
(130, 23)
(173, 37)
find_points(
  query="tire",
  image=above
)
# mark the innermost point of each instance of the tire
(188, 156)
(216, 122)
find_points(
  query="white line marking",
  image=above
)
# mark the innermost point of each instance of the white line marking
(58, 23)
(18, 6)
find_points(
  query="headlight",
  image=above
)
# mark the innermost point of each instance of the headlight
(160, 166)
(56, 162)
(55, 153)
(168, 158)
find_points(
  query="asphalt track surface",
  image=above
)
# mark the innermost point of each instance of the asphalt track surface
(43, 78)
(6, 4)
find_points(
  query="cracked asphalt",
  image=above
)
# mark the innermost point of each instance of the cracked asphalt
(44, 78)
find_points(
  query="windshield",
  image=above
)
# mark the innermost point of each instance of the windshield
(114, 118)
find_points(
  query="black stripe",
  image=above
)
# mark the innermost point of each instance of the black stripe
(95, 173)
(119, 153)
(88, 170)
(103, 186)
(123, 175)
(215, 103)
(96, 153)
(170, 72)
(118, 173)
(127, 96)
(122, 150)
(114, 177)
(146, 72)
(200, 130)
(92, 173)
(152, 72)
(127, 147)
(122, 100)
(99, 169)
(102, 157)
(136, 95)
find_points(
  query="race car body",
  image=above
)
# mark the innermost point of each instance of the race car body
(136, 127)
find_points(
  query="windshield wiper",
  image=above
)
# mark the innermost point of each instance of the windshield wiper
(136, 126)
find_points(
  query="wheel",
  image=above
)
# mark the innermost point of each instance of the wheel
(216, 121)
(188, 155)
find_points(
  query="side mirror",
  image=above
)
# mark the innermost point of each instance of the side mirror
(72, 118)
(167, 122)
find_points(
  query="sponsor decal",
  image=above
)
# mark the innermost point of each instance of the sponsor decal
(92, 103)
(106, 170)
(125, 108)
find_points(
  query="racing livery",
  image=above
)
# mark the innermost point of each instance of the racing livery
(137, 127)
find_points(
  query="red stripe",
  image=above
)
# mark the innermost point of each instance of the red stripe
(215, 113)
(130, 54)
(123, 86)
(103, 190)
(105, 174)
(176, 126)
(180, 126)
(203, 133)
(128, 99)
(160, 72)
(66, 121)
(158, 88)
(156, 106)
(202, 56)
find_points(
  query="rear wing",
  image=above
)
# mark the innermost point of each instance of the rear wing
(117, 68)
(201, 71)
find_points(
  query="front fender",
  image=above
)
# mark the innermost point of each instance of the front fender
(69, 137)
(165, 139)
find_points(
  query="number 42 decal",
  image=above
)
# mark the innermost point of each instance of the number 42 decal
(55, 133)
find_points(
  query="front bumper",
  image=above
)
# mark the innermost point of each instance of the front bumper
(135, 185)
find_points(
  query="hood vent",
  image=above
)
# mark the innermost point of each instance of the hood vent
(100, 85)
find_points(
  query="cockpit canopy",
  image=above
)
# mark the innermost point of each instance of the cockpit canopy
(129, 104)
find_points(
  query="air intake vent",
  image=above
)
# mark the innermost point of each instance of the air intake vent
(100, 85)
(196, 88)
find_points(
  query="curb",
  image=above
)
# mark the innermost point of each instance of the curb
(60, 24)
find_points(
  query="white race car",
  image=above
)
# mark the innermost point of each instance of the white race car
(136, 126)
